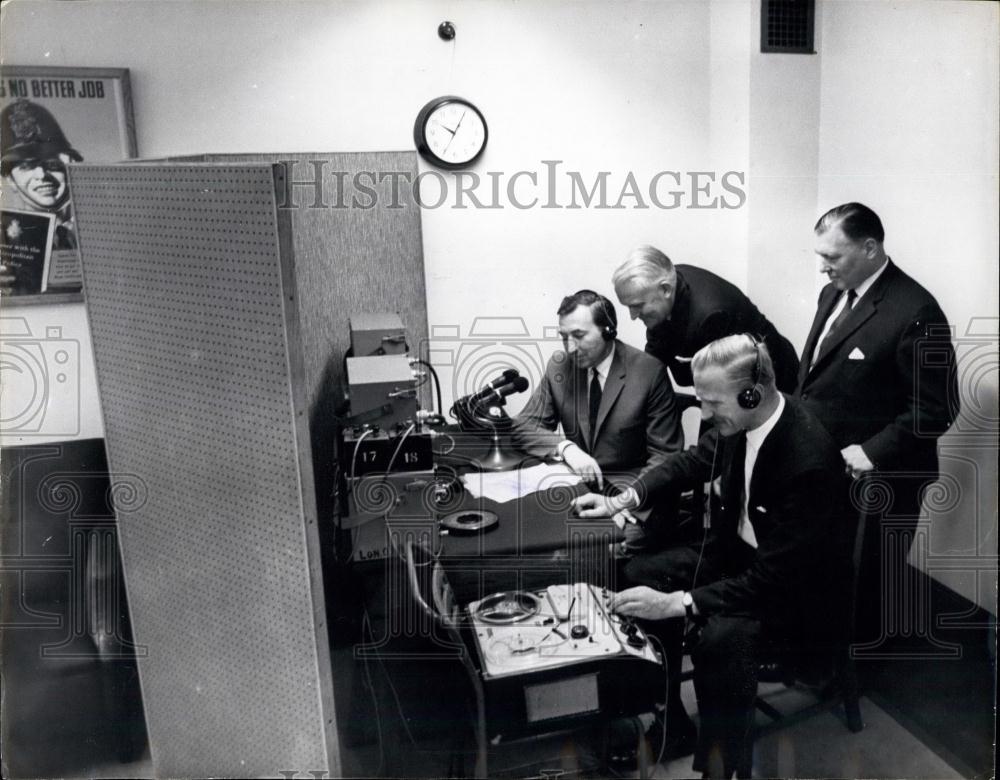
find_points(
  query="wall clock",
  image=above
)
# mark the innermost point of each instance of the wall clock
(450, 132)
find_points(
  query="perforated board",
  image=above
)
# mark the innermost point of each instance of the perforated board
(190, 295)
(348, 260)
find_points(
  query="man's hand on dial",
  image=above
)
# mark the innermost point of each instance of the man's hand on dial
(648, 604)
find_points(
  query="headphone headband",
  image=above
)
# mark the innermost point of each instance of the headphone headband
(749, 397)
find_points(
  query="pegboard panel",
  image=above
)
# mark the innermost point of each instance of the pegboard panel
(356, 233)
(349, 258)
(192, 309)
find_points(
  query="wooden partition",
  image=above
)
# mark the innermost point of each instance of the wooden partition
(218, 309)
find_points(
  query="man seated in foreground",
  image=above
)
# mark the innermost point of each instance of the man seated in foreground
(766, 561)
(615, 403)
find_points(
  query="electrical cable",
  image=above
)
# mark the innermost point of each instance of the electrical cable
(437, 384)
(366, 623)
(707, 523)
(450, 438)
(399, 447)
(666, 692)
(472, 420)
(371, 688)
(354, 458)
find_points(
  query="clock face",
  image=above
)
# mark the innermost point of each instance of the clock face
(450, 132)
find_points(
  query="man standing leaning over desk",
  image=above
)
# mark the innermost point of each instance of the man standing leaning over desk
(684, 308)
(615, 403)
(769, 559)
(878, 370)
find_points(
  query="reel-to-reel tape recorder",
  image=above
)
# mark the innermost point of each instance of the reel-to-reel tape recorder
(561, 653)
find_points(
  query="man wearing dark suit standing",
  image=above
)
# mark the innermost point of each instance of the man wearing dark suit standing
(768, 559)
(878, 370)
(684, 308)
(615, 403)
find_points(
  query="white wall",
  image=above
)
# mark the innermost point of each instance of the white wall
(909, 125)
(784, 153)
(898, 109)
(602, 87)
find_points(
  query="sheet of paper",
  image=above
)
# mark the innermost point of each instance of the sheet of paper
(503, 486)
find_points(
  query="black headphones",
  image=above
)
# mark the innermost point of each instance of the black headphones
(604, 315)
(749, 397)
(607, 319)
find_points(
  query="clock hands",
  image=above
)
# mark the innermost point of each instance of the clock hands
(446, 126)
(453, 132)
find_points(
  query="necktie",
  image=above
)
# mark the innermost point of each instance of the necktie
(852, 296)
(595, 405)
(745, 528)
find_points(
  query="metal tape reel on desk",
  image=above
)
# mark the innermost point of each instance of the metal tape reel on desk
(469, 521)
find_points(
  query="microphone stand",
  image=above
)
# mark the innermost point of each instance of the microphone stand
(497, 459)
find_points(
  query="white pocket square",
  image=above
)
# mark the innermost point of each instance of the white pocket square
(856, 354)
(762, 510)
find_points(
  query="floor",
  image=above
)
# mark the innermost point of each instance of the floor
(820, 746)
(817, 747)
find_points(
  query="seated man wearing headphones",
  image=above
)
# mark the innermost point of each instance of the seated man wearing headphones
(770, 550)
(615, 403)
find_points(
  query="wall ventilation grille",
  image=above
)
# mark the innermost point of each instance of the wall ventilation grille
(787, 26)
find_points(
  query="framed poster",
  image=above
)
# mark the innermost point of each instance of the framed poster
(49, 118)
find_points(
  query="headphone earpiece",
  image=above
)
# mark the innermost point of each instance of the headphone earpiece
(750, 398)
(609, 331)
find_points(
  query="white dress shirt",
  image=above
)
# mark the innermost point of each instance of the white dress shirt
(859, 292)
(601, 369)
(755, 439)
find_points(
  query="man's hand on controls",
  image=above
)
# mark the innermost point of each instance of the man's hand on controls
(581, 463)
(648, 604)
(598, 505)
(857, 463)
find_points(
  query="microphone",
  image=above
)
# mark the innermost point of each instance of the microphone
(508, 376)
(518, 385)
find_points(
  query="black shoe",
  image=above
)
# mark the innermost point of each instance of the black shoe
(682, 738)
(776, 672)
(623, 741)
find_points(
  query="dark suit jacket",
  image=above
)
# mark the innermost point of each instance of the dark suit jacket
(638, 422)
(795, 507)
(898, 393)
(706, 308)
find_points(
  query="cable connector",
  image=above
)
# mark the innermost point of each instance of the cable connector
(429, 417)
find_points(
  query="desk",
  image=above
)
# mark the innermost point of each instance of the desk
(536, 542)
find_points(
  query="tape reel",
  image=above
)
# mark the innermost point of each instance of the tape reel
(509, 606)
(469, 521)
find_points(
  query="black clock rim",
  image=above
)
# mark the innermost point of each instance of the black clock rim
(419, 137)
